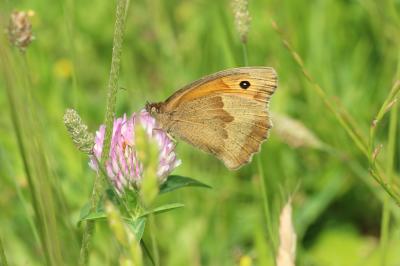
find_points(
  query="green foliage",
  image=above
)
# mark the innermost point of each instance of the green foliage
(350, 49)
(175, 182)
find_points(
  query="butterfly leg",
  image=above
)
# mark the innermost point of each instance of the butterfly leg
(168, 134)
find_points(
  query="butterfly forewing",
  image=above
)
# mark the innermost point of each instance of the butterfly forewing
(263, 82)
(225, 114)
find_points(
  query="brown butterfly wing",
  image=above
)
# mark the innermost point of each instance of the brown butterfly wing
(219, 116)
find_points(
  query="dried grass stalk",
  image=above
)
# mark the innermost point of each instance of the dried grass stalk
(287, 237)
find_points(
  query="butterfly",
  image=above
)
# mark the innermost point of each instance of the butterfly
(225, 113)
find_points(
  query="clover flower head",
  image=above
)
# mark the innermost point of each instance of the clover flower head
(123, 167)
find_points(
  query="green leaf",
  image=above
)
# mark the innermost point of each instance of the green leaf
(130, 199)
(137, 226)
(93, 216)
(85, 211)
(163, 208)
(112, 196)
(176, 181)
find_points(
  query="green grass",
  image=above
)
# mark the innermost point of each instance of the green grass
(351, 51)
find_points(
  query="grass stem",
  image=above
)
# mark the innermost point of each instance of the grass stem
(245, 56)
(265, 201)
(384, 239)
(3, 259)
(26, 148)
(344, 119)
(267, 211)
(112, 89)
(154, 240)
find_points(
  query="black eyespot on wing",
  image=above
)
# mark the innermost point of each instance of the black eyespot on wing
(244, 84)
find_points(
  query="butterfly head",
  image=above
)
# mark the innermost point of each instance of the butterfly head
(156, 110)
(153, 108)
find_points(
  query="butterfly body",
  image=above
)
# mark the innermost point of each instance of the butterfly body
(225, 114)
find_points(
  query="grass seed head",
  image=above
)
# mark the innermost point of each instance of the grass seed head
(78, 131)
(242, 18)
(20, 29)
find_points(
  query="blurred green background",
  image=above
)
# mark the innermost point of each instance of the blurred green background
(351, 49)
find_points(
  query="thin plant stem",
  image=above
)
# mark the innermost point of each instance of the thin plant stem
(390, 101)
(384, 239)
(114, 75)
(245, 56)
(52, 188)
(375, 170)
(14, 105)
(360, 143)
(89, 229)
(154, 240)
(393, 123)
(112, 89)
(265, 201)
(3, 259)
(267, 210)
(147, 251)
(41, 169)
(25, 205)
